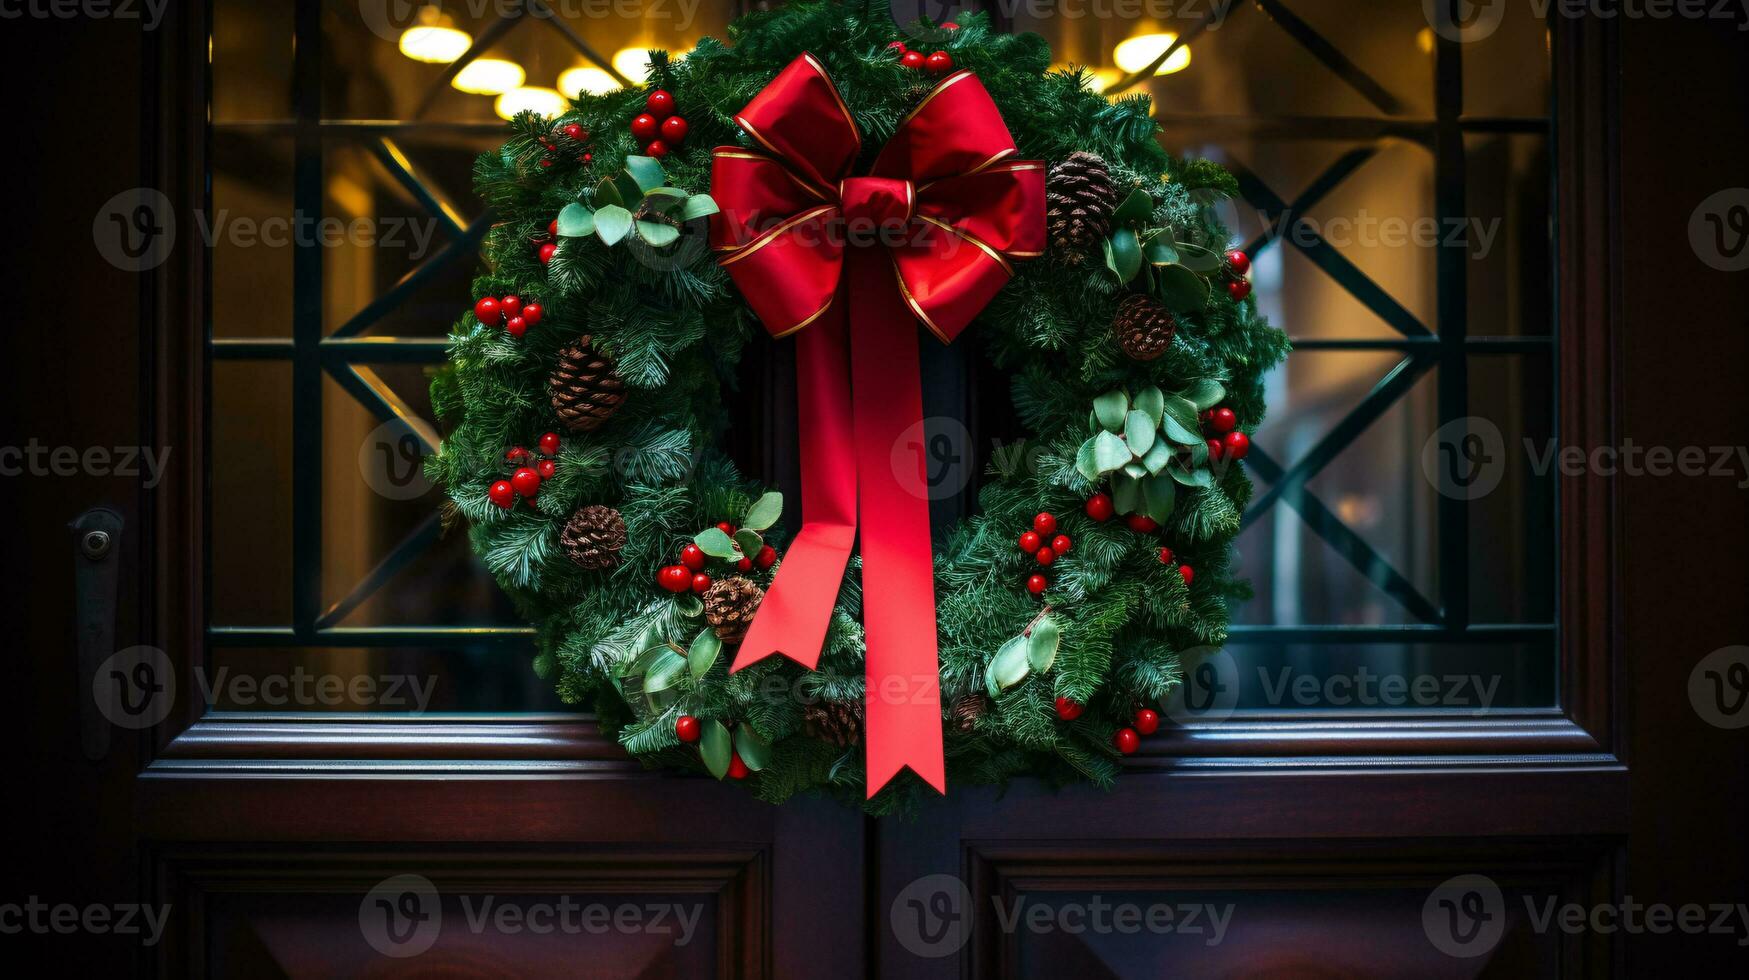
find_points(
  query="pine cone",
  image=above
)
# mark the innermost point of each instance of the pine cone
(1144, 328)
(585, 389)
(838, 722)
(594, 536)
(729, 605)
(1079, 200)
(968, 708)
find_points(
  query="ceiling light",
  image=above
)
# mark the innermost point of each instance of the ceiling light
(488, 76)
(436, 45)
(1139, 52)
(541, 101)
(591, 80)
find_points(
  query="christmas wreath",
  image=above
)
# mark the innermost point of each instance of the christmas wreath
(648, 236)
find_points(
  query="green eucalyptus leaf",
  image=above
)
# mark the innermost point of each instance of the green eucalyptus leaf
(1159, 251)
(1138, 432)
(1009, 667)
(712, 541)
(764, 512)
(1087, 460)
(1177, 433)
(1152, 401)
(1111, 409)
(1183, 411)
(1126, 494)
(749, 541)
(1204, 393)
(575, 221)
(628, 188)
(753, 750)
(657, 234)
(1199, 455)
(665, 200)
(1159, 494)
(1197, 477)
(1135, 208)
(714, 745)
(706, 646)
(1180, 288)
(1110, 452)
(1126, 254)
(1199, 258)
(646, 173)
(612, 223)
(689, 605)
(1135, 471)
(1041, 646)
(606, 193)
(699, 206)
(1156, 458)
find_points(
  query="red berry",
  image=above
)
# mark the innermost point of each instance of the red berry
(912, 59)
(1223, 420)
(939, 62)
(1030, 542)
(1147, 721)
(1037, 583)
(1186, 573)
(744, 565)
(515, 454)
(576, 131)
(700, 582)
(693, 557)
(1239, 289)
(1239, 262)
(660, 104)
(674, 578)
(526, 481)
(688, 728)
(950, 26)
(1127, 741)
(1068, 710)
(516, 326)
(1215, 449)
(898, 46)
(1060, 543)
(674, 130)
(587, 157)
(546, 253)
(1045, 524)
(510, 305)
(1045, 556)
(1099, 507)
(531, 314)
(1141, 523)
(657, 149)
(549, 442)
(1237, 444)
(502, 494)
(1165, 556)
(726, 528)
(487, 312)
(645, 127)
(553, 228)
(546, 468)
(737, 768)
(767, 555)
(547, 162)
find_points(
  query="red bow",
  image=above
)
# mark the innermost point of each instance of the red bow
(926, 236)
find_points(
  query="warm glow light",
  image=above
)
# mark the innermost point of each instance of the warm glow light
(543, 101)
(1140, 51)
(488, 76)
(633, 63)
(591, 80)
(1098, 79)
(437, 45)
(1424, 40)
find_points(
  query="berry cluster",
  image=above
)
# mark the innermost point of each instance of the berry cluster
(690, 573)
(658, 127)
(1044, 544)
(509, 312)
(1225, 441)
(568, 140)
(1100, 508)
(1127, 739)
(938, 63)
(1238, 264)
(529, 472)
(689, 730)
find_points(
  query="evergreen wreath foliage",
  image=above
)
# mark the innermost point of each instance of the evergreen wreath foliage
(676, 329)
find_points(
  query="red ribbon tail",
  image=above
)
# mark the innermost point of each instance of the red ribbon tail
(898, 562)
(797, 609)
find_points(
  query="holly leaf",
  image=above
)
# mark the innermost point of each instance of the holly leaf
(699, 206)
(1110, 409)
(753, 750)
(714, 746)
(1087, 460)
(1138, 432)
(1205, 393)
(704, 651)
(1150, 400)
(576, 221)
(1159, 494)
(1180, 288)
(1123, 254)
(1041, 646)
(712, 541)
(764, 512)
(657, 234)
(749, 541)
(612, 223)
(1009, 667)
(1109, 453)
(1137, 207)
(646, 173)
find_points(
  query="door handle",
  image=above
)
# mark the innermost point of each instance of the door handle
(96, 571)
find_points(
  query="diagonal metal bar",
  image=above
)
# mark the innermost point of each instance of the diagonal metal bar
(1351, 546)
(1383, 395)
(1316, 191)
(417, 542)
(1321, 48)
(401, 168)
(583, 47)
(487, 38)
(371, 391)
(398, 293)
